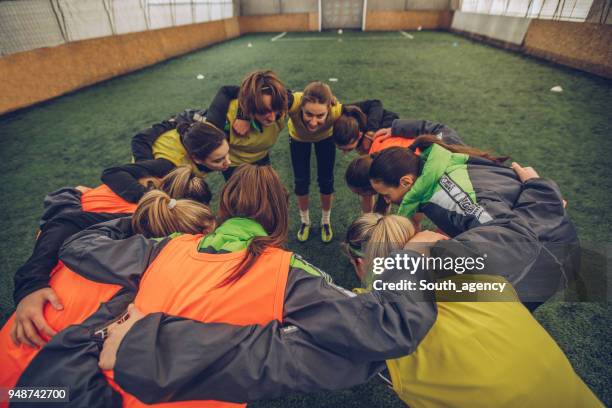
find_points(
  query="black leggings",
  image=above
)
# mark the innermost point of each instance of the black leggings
(325, 151)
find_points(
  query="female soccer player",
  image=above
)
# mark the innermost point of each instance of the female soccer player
(32, 289)
(200, 146)
(312, 117)
(261, 97)
(74, 298)
(239, 275)
(402, 133)
(463, 345)
(461, 189)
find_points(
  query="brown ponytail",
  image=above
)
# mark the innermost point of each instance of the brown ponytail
(182, 182)
(347, 127)
(424, 141)
(158, 215)
(391, 164)
(256, 192)
(257, 84)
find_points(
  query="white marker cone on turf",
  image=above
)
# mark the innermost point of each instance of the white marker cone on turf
(556, 89)
(333, 79)
(249, 45)
(200, 76)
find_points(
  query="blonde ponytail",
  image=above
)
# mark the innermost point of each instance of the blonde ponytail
(159, 215)
(376, 236)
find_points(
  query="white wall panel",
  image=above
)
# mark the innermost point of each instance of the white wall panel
(503, 28)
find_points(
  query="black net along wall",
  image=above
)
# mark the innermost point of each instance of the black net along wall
(28, 24)
(570, 10)
(31, 24)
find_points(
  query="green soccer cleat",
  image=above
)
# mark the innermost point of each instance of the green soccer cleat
(303, 233)
(326, 233)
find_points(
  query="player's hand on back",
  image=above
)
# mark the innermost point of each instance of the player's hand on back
(30, 327)
(524, 173)
(382, 134)
(241, 127)
(83, 189)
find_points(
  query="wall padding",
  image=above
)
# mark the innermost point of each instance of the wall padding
(278, 23)
(44, 73)
(584, 46)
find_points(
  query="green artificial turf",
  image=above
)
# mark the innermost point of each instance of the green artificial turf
(495, 99)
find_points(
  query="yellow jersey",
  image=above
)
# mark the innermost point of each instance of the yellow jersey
(169, 146)
(299, 131)
(255, 145)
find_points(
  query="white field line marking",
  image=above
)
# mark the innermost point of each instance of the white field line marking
(405, 34)
(343, 39)
(281, 35)
(310, 39)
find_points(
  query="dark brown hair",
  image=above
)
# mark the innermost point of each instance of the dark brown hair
(391, 164)
(424, 141)
(357, 174)
(257, 84)
(357, 177)
(349, 124)
(200, 138)
(256, 192)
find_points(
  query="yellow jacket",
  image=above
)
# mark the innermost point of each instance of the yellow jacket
(488, 354)
(255, 145)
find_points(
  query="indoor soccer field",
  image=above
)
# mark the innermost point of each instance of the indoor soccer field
(497, 100)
